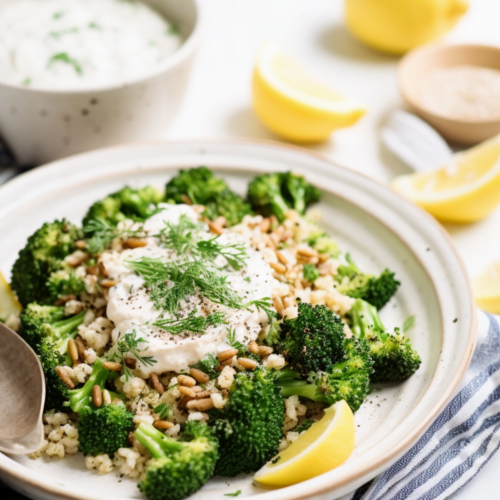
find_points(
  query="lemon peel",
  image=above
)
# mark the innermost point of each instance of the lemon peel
(486, 288)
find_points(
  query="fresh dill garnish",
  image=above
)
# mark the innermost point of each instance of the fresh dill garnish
(103, 234)
(26, 81)
(184, 238)
(172, 30)
(191, 324)
(247, 279)
(129, 344)
(57, 15)
(59, 34)
(408, 324)
(94, 26)
(235, 494)
(163, 410)
(65, 58)
(208, 365)
(263, 305)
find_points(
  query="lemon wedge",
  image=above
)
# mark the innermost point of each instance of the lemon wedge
(295, 106)
(8, 301)
(465, 190)
(324, 446)
(486, 288)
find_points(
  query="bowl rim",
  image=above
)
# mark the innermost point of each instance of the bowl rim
(424, 52)
(187, 47)
(396, 450)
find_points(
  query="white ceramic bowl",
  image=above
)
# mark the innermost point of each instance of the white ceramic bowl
(379, 228)
(44, 125)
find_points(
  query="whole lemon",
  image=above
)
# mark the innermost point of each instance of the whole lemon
(396, 26)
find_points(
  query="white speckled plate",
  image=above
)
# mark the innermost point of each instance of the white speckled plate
(379, 228)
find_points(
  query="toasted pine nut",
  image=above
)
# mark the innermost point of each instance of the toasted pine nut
(103, 269)
(185, 380)
(253, 347)
(185, 198)
(279, 268)
(227, 354)
(109, 283)
(203, 394)
(76, 258)
(64, 377)
(106, 396)
(215, 228)
(73, 350)
(64, 299)
(156, 383)
(97, 396)
(92, 270)
(114, 367)
(220, 221)
(287, 302)
(227, 362)
(265, 225)
(134, 243)
(131, 363)
(163, 424)
(249, 364)
(265, 350)
(323, 257)
(281, 257)
(286, 235)
(307, 252)
(197, 388)
(274, 239)
(298, 284)
(81, 244)
(187, 391)
(200, 404)
(81, 347)
(198, 375)
(278, 305)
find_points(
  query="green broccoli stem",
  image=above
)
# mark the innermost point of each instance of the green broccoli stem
(67, 329)
(293, 387)
(156, 442)
(365, 318)
(81, 399)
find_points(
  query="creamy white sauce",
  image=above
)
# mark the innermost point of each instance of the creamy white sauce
(130, 307)
(79, 44)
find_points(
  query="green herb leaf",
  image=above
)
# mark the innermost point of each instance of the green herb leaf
(65, 58)
(235, 494)
(191, 324)
(408, 324)
(163, 410)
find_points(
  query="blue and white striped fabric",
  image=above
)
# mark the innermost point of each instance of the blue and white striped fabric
(459, 442)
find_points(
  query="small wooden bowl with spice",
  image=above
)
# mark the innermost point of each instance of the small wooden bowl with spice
(455, 88)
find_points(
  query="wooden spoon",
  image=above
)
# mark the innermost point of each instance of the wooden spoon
(22, 390)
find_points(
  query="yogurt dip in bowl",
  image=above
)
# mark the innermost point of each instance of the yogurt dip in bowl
(81, 74)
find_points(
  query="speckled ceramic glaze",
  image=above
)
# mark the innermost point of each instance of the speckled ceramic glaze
(373, 223)
(43, 125)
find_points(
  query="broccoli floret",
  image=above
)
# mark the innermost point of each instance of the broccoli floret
(43, 255)
(393, 356)
(202, 187)
(320, 241)
(310, 272)
(48, 331)
(102, 429)
(314, 341)
(178, 468)
(249, 426)
(348, 379)
(128, 203)
(63, 283)
(358, 285)
(276, 193)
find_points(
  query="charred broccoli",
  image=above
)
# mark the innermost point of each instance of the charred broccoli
(276, 193)
(42, 256)
(358, 285)
(102, 429)
(393, 356)
(314, 341)
(201, 187)
(47, 330)
(179, 468)
(249, 426)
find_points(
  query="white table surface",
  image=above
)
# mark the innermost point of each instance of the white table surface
(218, 103)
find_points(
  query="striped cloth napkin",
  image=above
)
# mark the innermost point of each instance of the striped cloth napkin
(451, 452)
(459, 442)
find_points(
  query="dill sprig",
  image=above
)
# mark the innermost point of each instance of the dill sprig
(185, 239)
(129, 344)
(103, 233)
(163, 411)
(191, 324)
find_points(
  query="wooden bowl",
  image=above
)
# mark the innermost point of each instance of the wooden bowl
(420, 62)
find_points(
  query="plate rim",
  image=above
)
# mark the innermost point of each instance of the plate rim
(396, 450)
